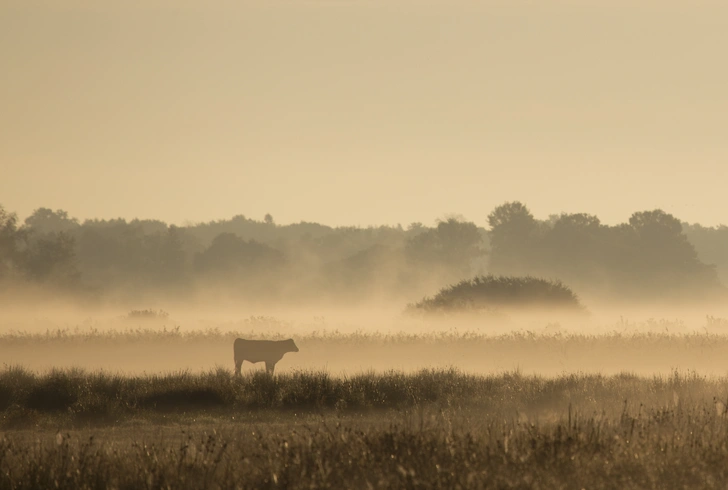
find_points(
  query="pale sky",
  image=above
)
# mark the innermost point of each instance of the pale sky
(359, 112)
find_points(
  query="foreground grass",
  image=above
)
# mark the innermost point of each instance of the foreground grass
(73, 398)
(430, 429)
(683, 446)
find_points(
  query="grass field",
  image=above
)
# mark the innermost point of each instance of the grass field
(429, 429)
(159, 407)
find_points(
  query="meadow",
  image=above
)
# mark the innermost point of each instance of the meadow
(146, 405)
(429, 429)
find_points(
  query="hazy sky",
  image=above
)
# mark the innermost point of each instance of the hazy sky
(363, 111)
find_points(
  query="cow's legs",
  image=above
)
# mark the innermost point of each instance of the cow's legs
(269, 367)
(238, 365)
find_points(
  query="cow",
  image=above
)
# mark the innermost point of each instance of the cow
(268, 351)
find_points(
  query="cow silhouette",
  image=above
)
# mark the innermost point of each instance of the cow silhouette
(267, 351)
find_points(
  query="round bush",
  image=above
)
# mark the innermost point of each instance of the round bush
(492, 293)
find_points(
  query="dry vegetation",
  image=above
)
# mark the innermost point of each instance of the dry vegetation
(431, 429)
(143, 405)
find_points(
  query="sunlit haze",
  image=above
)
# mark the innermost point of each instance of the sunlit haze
(363, 112)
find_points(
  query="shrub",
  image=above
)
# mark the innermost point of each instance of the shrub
(491, 293)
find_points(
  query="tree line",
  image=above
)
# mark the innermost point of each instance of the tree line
(652, 256)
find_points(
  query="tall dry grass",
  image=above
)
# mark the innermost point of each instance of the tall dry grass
(427, 430)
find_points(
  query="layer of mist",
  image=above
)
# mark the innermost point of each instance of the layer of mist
(142, 296)
(343, 342)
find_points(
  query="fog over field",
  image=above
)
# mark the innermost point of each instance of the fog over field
(358, 340)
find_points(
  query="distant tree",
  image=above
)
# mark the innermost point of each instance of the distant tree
(171, 263)
(656, 222)
(113, 253)
(577, 223)
(44, 220)
(512, 218)
(649, 257)
(268, 219)
(664, 256)
(375, 270)
(573, 247)
(230, 255)
(415, 228)
(52, 259)
(150, 226)
(514, 238)
(711, 244)
(134, 257)
(460, 242)
(11, 240)
(453, 244)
